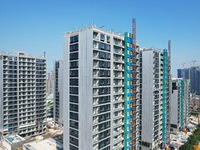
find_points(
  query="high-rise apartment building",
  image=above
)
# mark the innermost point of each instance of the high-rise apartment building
(192, 73)
(99, 112)
(50, 83)
(22, 94)
(58, 95)
(180, 103)
(154, 98)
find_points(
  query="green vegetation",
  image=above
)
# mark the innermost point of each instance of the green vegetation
(193, 140)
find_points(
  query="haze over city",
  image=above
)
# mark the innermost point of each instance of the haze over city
(37, 26)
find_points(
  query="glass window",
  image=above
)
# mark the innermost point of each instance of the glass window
(74, 107)
(104, 126)
(73, 90)
(73, 47)
(104, 134)
(104, 82)
(73, 141)
(73, 124)
(104, 73)
(73, 148)
(104, 117)
(74, 39)
(104, 64)
(107, 47)
(73, 73)
(102, 37)
(101, 46)
(73, 56)
(74, 64)
(104, 99)
(74, 82)
(73, 132)
(104, 108)
(108, 39)
(73, 99)
(104, 55)
(74, 116)
(104, 143)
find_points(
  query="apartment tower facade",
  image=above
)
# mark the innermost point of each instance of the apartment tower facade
(98, 90)
(22, 94)
(180, 104)
(154, 98)
(58, 95)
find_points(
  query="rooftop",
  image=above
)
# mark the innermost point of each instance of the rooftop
(22, 54)
(49, 143)
(13, 138)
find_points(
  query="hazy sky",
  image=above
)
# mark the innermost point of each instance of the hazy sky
(35, 26)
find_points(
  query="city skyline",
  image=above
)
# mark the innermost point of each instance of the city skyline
(34, 27)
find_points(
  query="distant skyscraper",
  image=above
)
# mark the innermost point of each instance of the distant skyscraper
(154, 98)
(193, 74)
(58, 95)
(22, 94)
(99, 112)
(180, 103)
(50, 83)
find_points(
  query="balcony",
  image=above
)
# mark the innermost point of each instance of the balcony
(117, 139)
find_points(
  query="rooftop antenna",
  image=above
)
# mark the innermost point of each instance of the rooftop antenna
(44, 54)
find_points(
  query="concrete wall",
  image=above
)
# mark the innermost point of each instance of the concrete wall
(147, 96)
(85, 90)
(66, 94)
(174, 107)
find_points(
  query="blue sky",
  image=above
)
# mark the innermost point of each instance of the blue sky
(35, 26)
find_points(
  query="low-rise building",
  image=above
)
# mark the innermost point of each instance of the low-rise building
(11, 142)
(48, 144)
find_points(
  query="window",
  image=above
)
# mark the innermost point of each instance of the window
(73, 141)
(108, 39)
(74, 107)
(74, 64)
(104, 64)
(74, 82)
(73, 90)
(104, 108)
(104, 55)
(73, 148)
(73, 47)
(73, 73)
(74, 56)
(73, 124)
(104, 143)
(73, 132)
(74, 116)
(104, 82)
(104, 126)
(74, 39)
(103, 91)
(73, 99)
(104, 73)
(107, 47)
(104, 117)
(102, 46)
(104, 99)
(104, 134)
(102, 37)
